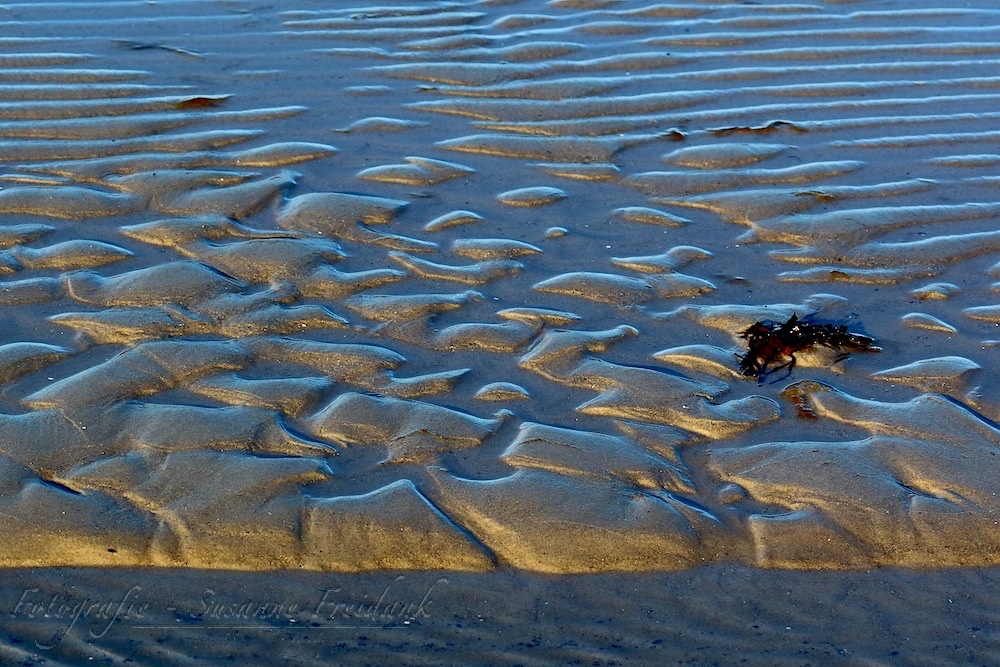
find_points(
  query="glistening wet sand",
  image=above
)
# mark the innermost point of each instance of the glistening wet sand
(455, 291)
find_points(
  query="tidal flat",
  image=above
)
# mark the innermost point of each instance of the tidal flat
(412, 333)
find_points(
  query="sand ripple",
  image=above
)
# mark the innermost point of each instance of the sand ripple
(498, 324)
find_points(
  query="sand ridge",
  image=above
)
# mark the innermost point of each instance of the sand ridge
(460, 287)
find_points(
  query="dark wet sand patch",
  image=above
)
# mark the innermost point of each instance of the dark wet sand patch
(706, 615)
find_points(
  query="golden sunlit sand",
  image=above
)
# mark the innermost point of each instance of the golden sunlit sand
(457, 289)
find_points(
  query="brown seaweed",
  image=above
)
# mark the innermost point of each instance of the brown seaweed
(772, 346)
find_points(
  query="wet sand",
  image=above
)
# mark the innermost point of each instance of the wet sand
(715, 614)
(442, 302)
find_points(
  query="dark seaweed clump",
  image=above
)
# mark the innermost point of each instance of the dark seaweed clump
(771, 346)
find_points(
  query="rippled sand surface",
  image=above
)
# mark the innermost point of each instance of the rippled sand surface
(458, 288)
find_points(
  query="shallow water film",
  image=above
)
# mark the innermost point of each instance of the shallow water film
(464, 289)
